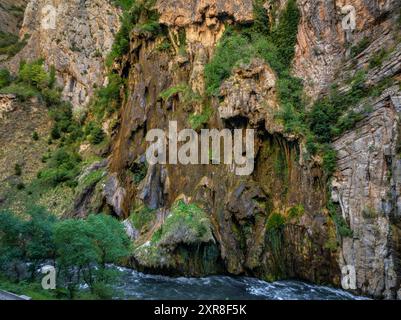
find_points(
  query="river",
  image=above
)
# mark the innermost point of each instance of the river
(137, 285)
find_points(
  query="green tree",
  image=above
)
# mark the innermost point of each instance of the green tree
(12, 246)
(112, 245)
(38, 233)
(76, 253)
(111, 240)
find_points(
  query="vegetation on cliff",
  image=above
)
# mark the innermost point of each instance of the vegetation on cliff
(10, 44)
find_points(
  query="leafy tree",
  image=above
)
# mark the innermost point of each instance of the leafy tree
(76, 252)
(12, 246)
(34, 74)
(96, 135)
(63, 167)
(111, 240)
(84, 247)
(39, 238)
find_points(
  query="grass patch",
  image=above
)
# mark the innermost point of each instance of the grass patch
(197, 121)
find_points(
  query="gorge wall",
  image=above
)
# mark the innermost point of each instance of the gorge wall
(290, 218)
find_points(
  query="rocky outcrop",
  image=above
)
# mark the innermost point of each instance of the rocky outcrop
(251, 93)
(204, 219)
(367, 189)
(7, 104)
(74, 37)
(323, 44)
(183, 13)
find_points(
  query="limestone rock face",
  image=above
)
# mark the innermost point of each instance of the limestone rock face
(180, 13)
(286, 182)
(367, 188)
(7, 104)
(74, 36)
(251, 93)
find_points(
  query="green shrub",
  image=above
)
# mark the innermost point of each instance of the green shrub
(51, 96)
(172, 91)
(63, 167)
(5, 78)
(10, 44)
(20, 186)
(285, 34)
(18, 169)
(108, 97)
(6, 40)
(124, 4)
(296, 212)
(96, 135)
(232, 48)
(34, 74)
(341, 225)
(35, 136)
(329, 160)
(142, 217)
(21, 90)
(197, 121)
(261, 18)
(138, 13)
(276, 221)
(360, 47)
(274, 234)
(378, 58)
(139, 171)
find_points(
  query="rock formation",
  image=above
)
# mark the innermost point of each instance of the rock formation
(75, 38)
(290, 218)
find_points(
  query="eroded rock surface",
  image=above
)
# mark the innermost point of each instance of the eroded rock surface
(323, 43)
(76, 45)
(367, 189)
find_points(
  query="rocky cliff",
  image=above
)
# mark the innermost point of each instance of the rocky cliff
(74, 37)
(322, 203)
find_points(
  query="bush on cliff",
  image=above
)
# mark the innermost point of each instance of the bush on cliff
(136, 13)
(187, 224)
(5, 78)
